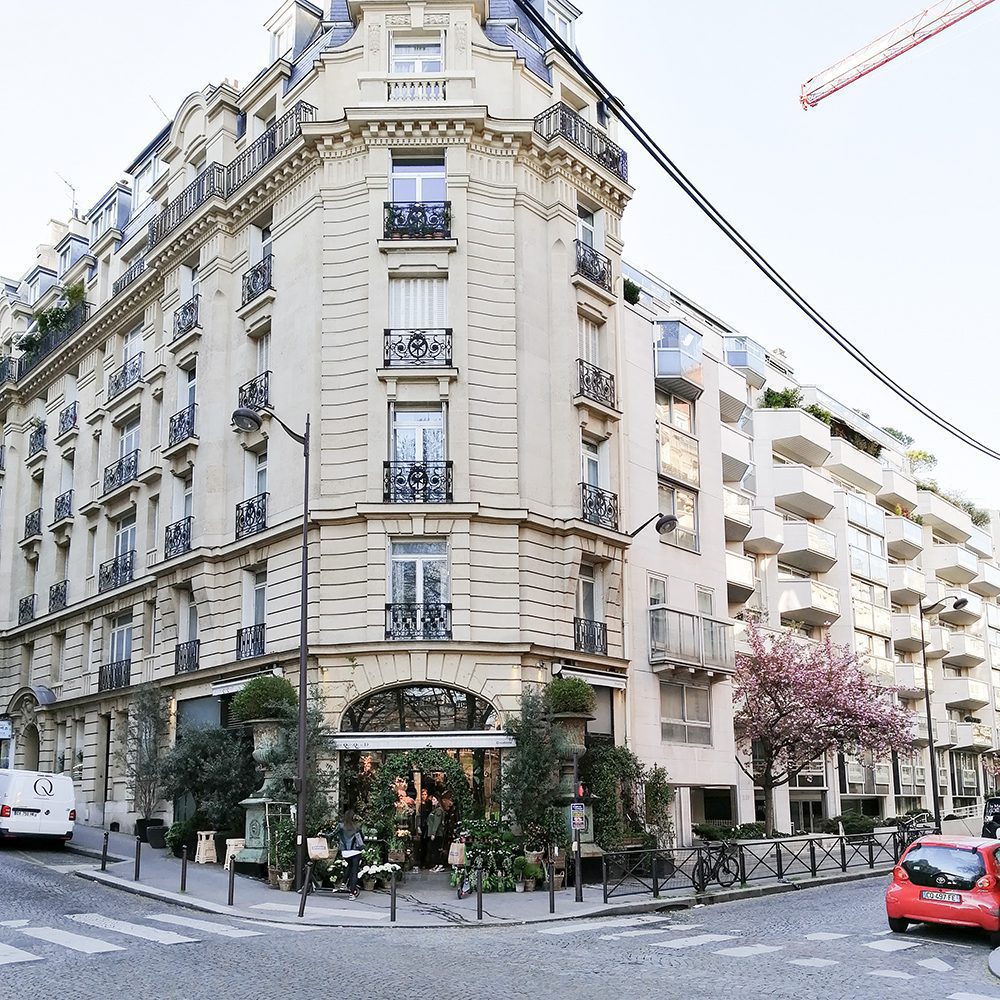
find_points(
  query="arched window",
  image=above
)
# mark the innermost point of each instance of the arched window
(420, 709)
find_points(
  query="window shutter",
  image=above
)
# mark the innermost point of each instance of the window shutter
(418, 303)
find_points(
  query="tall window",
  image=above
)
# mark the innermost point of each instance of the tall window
(266, 242)
(189, 385)
(129, 440)
(418, 434)
(194, 282)
(417, 56)
(677, 452)
(259, 606)
(125, 535)
(418, 303)
(586, 226)
(120, 640)
(589, 337)
(418, 180)
(418, 572)
(185, 496)
(685, 714)
(560, 19)
(263, 353)
(141, 181)
(132, 344)
(588, 601)
(590, 461)
(683, 504)
(256, 473)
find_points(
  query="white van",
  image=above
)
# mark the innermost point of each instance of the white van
(36, 804)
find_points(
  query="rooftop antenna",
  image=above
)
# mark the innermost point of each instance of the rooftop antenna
(72, 190)
(158, 108)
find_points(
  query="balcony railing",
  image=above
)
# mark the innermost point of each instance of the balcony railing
(113, 676)
(417, 482)
(26, 609)
(417, 90)
(593, 265)
(36, 440)
(251, 516)
(418, 621)
(72, 320)
(125, 470)
(417, 220)
(256, 394)
(418, 348)
(68, 418)
(181, 426)
(58, 596)
(563, 121)
(129, 276)
(186, 316)
(125, 377)
(8, 369)
(209, 183)
(599, 506)
(63, 506)
(186, 656)
(250, 642)
(674, 635)
(590, 637)
(268, 145)
(33, 523)
(177, 538)
(258, 279)
(116, 572)
(596, 384)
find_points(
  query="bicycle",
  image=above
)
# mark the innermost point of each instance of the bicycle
(716, 863)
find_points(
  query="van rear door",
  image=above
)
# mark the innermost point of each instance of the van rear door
(25, 807)
(55, 798)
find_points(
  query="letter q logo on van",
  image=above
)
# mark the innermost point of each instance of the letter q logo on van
(44, 788)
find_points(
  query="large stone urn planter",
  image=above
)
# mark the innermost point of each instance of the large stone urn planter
(267, 735)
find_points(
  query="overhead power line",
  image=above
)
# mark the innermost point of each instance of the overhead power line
(736, 237)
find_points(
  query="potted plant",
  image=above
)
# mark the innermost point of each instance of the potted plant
(533, 874)
(282, 849)
(156, 834)
(140, 753)
(518, 867)
(570, 703)
(397, 850)
(285, 881)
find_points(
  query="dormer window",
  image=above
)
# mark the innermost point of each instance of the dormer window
(281, 40)
(33, 292)
(65, 260)
(562, 17)
(417, 56)
(141, 181)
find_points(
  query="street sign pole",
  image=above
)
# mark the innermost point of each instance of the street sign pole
(578, 815)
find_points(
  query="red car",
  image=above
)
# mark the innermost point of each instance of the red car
(947, 880)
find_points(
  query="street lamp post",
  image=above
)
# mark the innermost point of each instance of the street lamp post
(937, 607)
(247, 420)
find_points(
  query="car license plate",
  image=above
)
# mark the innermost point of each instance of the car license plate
(942, 897)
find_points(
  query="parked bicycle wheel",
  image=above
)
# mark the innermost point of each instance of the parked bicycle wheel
(701, 874)
(727, 873)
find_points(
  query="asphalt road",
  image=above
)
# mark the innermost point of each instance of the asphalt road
(62, 937)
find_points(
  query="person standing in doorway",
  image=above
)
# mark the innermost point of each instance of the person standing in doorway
(449, 827)
(435, 822)
(351, 845)
(423, 815)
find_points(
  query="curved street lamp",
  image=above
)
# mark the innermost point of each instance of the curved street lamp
(665, 523)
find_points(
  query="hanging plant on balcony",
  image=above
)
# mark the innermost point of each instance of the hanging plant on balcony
(57, 317)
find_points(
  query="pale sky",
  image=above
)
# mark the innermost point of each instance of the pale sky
(878, 205)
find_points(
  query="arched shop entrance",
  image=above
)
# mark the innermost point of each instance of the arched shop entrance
(412, 717)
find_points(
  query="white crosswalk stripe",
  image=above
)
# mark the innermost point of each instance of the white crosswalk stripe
(890, 974)
(825, 936)
(10, 955)
(284, 927)
(593, 925)
(693, 942)
(749, 950)
(155, 934)
(935, 965)
(327, 911)
(207, 926)
(893, 945)
(67, 939)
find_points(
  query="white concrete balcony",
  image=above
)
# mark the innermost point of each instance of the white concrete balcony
(737, 455)
(981, 542)
(881, 670)
(967, 615)
(767, 532)
(910, 681)
(739, 578)
(945, 733)
(871, 618)
(974, 736)
(809, 547)
(802, 490)
(904, 539)
(736, 508)
(795, 434)
(907, 585)
(938, 641)
(964, 692)
(854, 465)
(920, 738)
(966, 650)
(732, 395)
(897, 490)
(906, 633)
(808, 601)
(987, 582)
(948, 520)
(953, 563)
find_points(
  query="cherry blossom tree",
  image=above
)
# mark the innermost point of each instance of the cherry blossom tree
(796, 702)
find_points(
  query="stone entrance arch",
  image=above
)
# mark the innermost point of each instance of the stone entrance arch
(26, 739)
(29, 748)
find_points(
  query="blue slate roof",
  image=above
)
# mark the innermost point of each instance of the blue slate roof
(526, 40)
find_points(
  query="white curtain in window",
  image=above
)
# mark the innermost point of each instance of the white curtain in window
(418, 303)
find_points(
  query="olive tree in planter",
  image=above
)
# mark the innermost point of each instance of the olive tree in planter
(140, 754)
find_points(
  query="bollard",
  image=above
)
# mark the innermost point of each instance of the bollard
(578, 868)
(392, 898)
(138, 854)
(232, 883)
(552, 887)
(104, 852)
(604, 877)
(184, 868)
(812, 858)
(304, 891)
(479, 894)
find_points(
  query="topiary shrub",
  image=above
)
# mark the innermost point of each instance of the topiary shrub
(852, 822)
(631, 291)
(265, 697)
(567, 694)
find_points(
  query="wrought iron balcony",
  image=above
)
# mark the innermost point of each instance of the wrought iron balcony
(593, 265)
(113, 676)
(251, 516)
(257, 280)
(68, 417)
(129, 276)
(36, 440)
(599, 506)
(181, 426)
(563, 121)
(590, 637)
(418, 348)
(177, 538)
(58, 596)
(256, 394)
(125, 470)
(116, 572)
(8, 369)
(417, 220)
(418, 621)
(209, 183)
(58, 334)
(186, 655)
(63, 506)
(417, 482)
(124, 377)
(33, 523)
(26, 609)
(268, 145)
(596, 384)
(250, 642)
(186, 316)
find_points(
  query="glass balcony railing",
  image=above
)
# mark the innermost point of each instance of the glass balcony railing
(678, 360)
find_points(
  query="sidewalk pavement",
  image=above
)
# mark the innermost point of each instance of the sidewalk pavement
(423, 900)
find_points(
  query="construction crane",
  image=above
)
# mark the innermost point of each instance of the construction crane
(929, 22)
